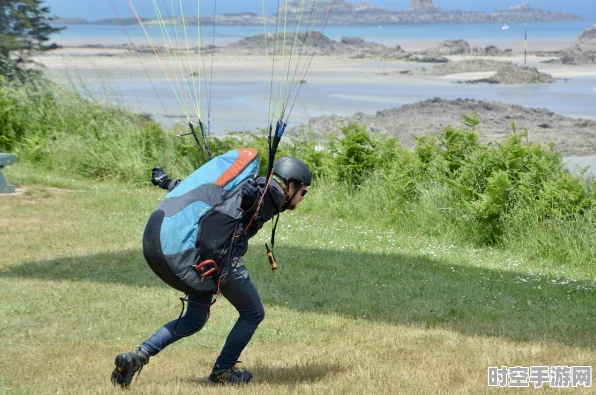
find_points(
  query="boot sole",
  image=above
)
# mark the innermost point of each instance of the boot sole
(226, 382)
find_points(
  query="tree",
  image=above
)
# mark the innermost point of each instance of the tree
(24, 30)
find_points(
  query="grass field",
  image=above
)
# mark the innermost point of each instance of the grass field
(355, 307)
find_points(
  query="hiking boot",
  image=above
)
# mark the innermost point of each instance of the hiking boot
(127, 364)
(231, 376)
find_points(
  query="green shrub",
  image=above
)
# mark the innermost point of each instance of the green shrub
(355, 156)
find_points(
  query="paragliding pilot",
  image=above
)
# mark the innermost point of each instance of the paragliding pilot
(202, 257)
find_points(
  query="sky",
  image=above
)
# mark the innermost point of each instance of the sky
(101, 9)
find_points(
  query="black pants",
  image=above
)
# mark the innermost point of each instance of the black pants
(242, 294)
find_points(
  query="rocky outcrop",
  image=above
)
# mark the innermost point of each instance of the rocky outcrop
(463, 66)
(359, 48)
(354, 47)
(259, 44)
(514, 74)
(453, 47)
(423, 58)
(579, 55)
(506, 72)
(305, 42)
(572, 137)
(584, 52)
(462, 47)
(588, 37)
(491, 50)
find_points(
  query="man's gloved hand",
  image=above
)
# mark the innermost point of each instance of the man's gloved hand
(160, 178)
(249, 193)
(250, 189)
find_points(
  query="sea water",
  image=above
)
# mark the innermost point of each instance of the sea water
(386, 34)
(245, 105)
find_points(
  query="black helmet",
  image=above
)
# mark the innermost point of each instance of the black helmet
(292, 169)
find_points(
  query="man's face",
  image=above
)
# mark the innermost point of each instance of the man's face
(302, 189)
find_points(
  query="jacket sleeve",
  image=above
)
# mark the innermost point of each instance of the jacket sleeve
(173, 184)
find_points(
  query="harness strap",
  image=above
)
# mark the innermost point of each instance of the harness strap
(201, 267)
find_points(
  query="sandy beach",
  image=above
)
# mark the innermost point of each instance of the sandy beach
(121, 64)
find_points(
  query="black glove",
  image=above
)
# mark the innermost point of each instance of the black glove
(249, 193)
(160, 178)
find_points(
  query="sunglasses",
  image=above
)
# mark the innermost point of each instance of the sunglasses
(304, 192)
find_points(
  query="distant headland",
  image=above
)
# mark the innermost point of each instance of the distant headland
(345, 14)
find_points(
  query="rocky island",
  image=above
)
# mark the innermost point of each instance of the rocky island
(345, 13)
